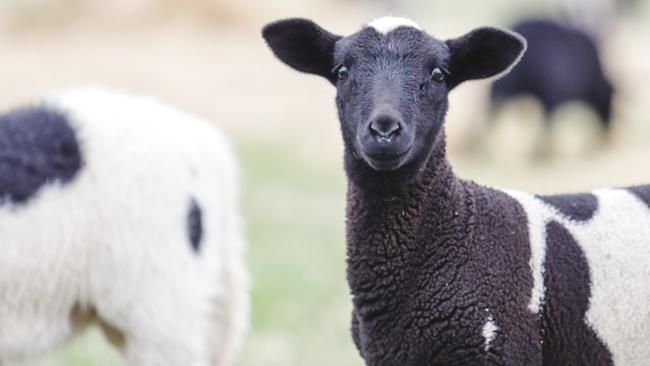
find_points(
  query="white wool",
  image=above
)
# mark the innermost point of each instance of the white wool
(114, 240)
(387, 24)
(537, 219)
(489, 332)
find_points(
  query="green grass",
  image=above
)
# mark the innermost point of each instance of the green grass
(297, 256)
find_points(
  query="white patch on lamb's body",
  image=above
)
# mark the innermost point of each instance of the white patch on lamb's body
(489, 332)
(115, 240)
(537, 218)
(616, 244)
(387, 24)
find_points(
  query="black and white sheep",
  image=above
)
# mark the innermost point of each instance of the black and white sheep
(444, 271)
(561, 65)
(120, 211)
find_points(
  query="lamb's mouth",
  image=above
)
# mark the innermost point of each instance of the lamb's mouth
(387, 161)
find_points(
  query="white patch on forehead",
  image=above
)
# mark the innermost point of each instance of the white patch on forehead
(386, 24)
(489, 332)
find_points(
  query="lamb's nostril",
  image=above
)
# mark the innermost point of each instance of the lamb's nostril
(385, 127)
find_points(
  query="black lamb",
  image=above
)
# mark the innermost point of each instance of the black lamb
(444, 271)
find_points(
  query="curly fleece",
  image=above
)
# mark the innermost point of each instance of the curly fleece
(432, 264)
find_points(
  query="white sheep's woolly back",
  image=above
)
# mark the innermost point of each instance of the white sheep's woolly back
(113, 242)
(385, 25)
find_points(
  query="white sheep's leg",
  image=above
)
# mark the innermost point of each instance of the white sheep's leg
(234, 308)
(161, 302)
(145, 351)
(193, 335)
(170, 327)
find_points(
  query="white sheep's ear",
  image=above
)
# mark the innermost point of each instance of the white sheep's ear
(483, 53)
(303, 45)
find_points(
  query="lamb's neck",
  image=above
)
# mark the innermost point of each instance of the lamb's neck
(386, 232)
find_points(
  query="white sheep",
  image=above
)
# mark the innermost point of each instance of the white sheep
(120, 211)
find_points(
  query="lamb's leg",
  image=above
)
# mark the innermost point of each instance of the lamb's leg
(192, 334)
(171, 330)
(166, 315)
(233, 311)
(145, 351)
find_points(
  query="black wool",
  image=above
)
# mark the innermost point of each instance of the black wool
(37, 147)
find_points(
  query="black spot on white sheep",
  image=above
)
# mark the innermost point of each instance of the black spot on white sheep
(562, 64)
(121, 211)
(37, 146)
(444, 271)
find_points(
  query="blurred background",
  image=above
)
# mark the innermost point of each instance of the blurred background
(207, 57)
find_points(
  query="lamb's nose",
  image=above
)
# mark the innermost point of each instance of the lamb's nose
(385, 127)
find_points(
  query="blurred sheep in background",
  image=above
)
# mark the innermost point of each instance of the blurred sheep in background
(562, 64)
(121, 212)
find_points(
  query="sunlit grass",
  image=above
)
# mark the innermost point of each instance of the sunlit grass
(295, 219)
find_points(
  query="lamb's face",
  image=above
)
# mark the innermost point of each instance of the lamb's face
(392, 81)
(391, 93)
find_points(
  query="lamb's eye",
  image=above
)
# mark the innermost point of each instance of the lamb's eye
(438, 75)
(343, 73)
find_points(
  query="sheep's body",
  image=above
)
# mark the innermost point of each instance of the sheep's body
(451, 271)
(144, 236)
(561, 65)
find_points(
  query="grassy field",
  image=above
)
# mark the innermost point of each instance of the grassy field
(285, 131)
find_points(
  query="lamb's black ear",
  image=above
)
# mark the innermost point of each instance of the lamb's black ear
(483, 53)
(303, 45)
